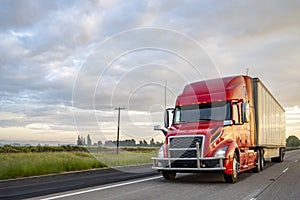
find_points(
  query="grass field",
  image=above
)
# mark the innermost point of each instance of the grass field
(292, 148)
(15, 165)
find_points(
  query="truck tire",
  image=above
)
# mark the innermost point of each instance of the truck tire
(169, 175)
(279, 159)
(232, 178)
(260, 162)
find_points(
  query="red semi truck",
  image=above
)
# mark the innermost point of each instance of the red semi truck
(229, 125)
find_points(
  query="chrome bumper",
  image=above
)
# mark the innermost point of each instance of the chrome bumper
(185, 153)
(188, 164)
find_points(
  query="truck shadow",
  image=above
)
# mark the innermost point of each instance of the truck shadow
(204, 178)
(211, 177)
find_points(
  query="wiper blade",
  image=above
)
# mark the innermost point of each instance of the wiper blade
(183, 122)
(204, 119)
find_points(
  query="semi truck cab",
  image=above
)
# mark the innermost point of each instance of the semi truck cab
(213, 128)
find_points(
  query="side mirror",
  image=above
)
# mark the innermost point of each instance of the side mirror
(158, 128)
(166, 119)
(245, 112)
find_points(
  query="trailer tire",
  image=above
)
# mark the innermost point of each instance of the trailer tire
(232, 178)
(169, 175)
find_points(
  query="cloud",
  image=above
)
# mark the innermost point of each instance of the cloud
(50, 48)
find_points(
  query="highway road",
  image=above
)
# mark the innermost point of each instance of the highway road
(277, 181)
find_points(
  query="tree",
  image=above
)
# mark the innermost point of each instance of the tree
(152, 143)
(88, 140)
(292, 141)
(80, 141)
(145, 143)
(99, 143)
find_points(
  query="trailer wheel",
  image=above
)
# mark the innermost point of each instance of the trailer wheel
(260, 162)
(169, 175)
(232, 178)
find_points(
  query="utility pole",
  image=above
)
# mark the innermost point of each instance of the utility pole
(118, 133)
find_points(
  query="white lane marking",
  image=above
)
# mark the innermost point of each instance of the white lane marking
(102, 188)
(285, 170)
(253, 195)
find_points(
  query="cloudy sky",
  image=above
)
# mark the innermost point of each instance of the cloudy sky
(66, 65)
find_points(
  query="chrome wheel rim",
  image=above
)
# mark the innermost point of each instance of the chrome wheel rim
(234, 167)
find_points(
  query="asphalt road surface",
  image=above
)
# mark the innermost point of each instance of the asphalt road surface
(277, 181)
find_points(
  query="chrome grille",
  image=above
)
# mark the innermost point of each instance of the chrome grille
(184, 147)
(184, 142)
(183, 154)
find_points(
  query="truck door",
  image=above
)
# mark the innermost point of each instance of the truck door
(240, 129)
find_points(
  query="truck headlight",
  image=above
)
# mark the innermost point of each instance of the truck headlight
(221, 152)
(161, 152)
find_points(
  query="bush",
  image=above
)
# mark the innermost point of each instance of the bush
(292, 141)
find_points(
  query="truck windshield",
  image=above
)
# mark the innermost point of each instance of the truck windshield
(219, 111)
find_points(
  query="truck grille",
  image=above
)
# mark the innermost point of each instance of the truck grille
(184, 142)
(183, 154)
(184, 147)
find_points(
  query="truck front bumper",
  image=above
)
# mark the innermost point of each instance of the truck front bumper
(188, 164)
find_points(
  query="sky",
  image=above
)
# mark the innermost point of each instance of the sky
(66, 65)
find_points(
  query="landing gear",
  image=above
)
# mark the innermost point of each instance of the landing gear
(280, 157)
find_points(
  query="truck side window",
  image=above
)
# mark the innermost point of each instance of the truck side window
(236, 114)
(176, 118)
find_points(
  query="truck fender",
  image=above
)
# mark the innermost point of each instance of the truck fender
(232, 149)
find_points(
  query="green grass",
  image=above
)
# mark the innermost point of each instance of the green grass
(15, 165)
(124, 158)
(292, 148)
(31, 164)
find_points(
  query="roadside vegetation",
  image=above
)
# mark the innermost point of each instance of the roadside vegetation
(28, 161)
(292, 143)
(25, 161)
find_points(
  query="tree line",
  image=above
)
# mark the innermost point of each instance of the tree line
(81, 141)
(291, 141)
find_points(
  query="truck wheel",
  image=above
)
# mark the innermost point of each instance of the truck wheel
(169, 175)
(260, 163)
(262, 160)
(232, 178)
